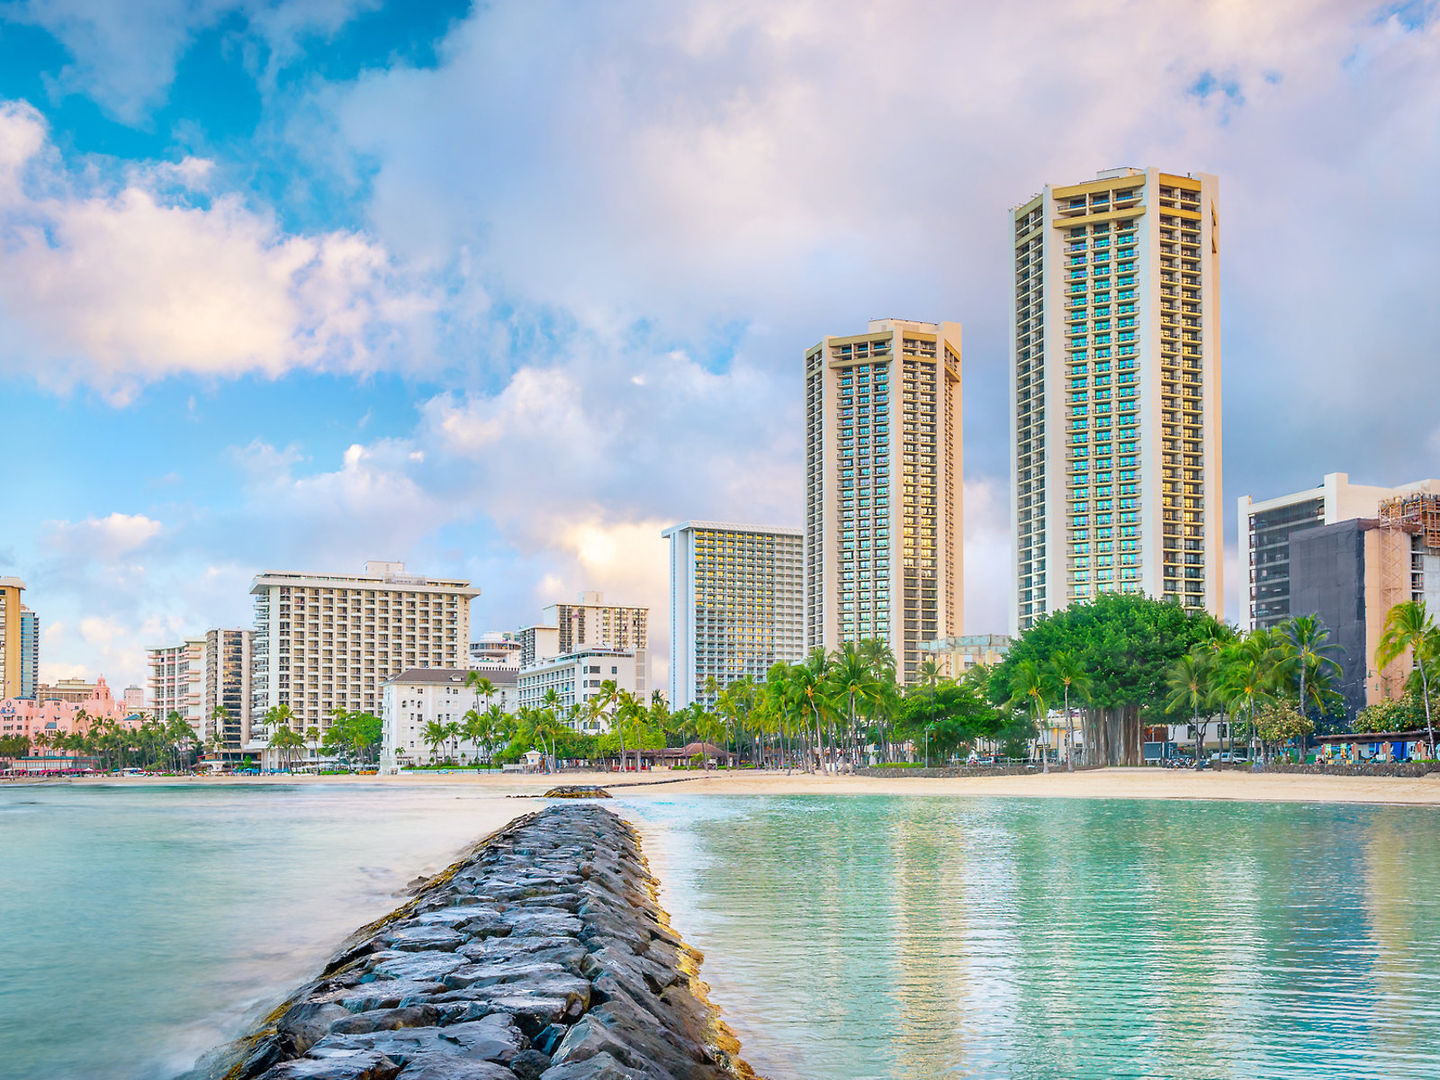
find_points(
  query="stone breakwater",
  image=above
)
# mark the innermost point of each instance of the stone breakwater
(541, 955)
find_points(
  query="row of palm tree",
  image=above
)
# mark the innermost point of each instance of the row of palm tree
(1249, 677)
(167, 744)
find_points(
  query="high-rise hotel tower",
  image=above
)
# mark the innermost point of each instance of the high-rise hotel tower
(883, 474)
(1115, 392)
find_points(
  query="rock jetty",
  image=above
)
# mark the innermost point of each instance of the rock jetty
(541, 955)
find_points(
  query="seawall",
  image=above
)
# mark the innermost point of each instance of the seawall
(541, 955)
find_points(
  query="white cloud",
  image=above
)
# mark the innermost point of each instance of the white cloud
(124, 55)
(116, 286)
(792, 169)
(104, 539)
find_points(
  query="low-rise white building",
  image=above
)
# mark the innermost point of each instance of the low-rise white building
(576, 678)
(418, 697)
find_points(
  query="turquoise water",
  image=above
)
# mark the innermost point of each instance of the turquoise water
(140, 926)
(921, 938)
(862, 938)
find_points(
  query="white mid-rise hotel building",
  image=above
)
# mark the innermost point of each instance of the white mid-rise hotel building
(883, 487)
(1115, 392)
(737, 604)
(329, 641)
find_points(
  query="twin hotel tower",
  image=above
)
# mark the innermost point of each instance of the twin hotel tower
(1115, 437)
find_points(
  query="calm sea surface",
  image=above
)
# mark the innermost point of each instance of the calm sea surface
(923, 937)
(846, 938)
(142, 925)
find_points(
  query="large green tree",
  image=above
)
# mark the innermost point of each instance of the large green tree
(1125, 643)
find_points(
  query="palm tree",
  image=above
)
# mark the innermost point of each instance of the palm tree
(1247, 674)
(1071, 679)
(1188, 680)
(478, 729)
(1306, 659)
(220, 718)
(434, 735)
(1408, 626)
(312, 740)
(278, 717)
(853, 679)
(481, 684)
(285, 740)
(1027, 690)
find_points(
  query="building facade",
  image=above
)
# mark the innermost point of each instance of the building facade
(495, 649)
(418, 697)
(329, 641)
(576, 678)
(41, 721)
(957, 655)
(29, 653)
(884, 473)
(1350, 574)
(737, 604)
(177, 683)
(75, 691)
(229, 662)
(11, 632)
(1115, 392)
(1266, 526)
(590, 623)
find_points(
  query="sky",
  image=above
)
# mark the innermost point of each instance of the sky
(502, 290)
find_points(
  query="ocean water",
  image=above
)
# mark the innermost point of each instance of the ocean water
(859, 938)
(919, 938)
(142, 925)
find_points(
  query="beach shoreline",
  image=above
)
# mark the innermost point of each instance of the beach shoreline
(1110, 783)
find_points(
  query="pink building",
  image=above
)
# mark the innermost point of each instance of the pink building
(21, 716)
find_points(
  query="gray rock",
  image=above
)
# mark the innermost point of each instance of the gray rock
(423, 937)
(337, 1065)
(529, 1064)
(411, 1016)
(416, 966)
(306, 1024)
(451, 1068)
(602, 1066)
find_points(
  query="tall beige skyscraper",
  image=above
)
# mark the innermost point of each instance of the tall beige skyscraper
(11, 589)
(1115, 392)
(883, 477)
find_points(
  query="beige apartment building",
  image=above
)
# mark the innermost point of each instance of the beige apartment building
(1115, 392)
(329, 641)
(884, 473)
(11, 589)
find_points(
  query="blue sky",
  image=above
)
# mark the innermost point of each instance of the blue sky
(502, 290)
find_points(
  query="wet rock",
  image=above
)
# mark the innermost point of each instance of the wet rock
(411, 1016)
(424, 937)
(529, 1064)
(306, 1024)
(600, 1067)
(337, 1065)
(449, 1068)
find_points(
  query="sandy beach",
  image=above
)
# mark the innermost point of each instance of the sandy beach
(1115, 783)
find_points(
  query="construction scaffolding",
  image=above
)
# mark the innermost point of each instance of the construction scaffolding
(1418, 512)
